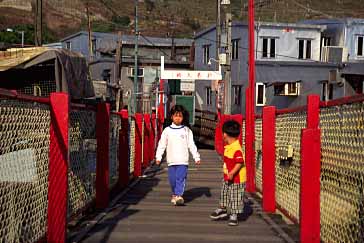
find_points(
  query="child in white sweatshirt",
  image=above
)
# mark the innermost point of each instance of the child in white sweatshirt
(177, 138)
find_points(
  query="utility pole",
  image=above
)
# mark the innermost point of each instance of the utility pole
(118, 69)
(90, 52)
(250, 107)
(38, 23)
(218, 31)
(135, 57)
(228, 48)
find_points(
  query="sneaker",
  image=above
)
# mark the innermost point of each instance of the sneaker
(179, 201)
(173, 200)
(219, 213)
(233, 220)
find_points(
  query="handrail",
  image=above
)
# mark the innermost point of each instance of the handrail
(342, 101)
(13, 94)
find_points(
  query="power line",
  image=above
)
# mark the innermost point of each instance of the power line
(152, 43)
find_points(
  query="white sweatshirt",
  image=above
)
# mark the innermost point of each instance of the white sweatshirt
(177, 140)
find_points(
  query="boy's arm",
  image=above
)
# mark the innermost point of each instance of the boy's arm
(162, 144)
(239, 160)
(235, 170)
(192, 147)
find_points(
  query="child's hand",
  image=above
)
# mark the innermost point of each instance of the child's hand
(230, 176)
(157, 162)
(198, 162)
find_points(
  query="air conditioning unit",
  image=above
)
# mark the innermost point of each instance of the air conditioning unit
(334, 54)
(131, 72)
(335, 77)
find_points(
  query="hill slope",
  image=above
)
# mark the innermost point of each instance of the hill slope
(164, 17)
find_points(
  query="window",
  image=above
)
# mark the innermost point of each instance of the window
(208, 96)
(206, 54)
(287, 89)
(237, 94)
(260, 94)
(360, 49)
(304, 49)
(68, 45)
(235, 49)
(94, 47)
(324, 91)
(269, 48)
(325, 41)
(331, 91)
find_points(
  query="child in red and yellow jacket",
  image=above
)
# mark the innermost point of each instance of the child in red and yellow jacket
(232, 191)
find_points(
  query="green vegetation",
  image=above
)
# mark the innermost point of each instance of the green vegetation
(14, 37)
(121, 20)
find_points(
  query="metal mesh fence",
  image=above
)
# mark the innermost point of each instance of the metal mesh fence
(342, 173)
(82, 172)
(132, 145)
(24, 152)
(288, 137)
(258, 153)
(115, 126)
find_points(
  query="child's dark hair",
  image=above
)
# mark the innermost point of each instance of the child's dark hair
(231, 128)
(180, 109)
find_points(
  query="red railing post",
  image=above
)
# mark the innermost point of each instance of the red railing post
(58, 169)
(313, 111)
(138, 145)
(102, 164)
(124, 150)
(310, 186)
(146, 146)
(154, 123)
(269, 158)
(310, 174)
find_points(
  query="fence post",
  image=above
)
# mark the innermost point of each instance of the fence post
(313, 111)
(269, 158)
(102, 164)
(310, 174)
(146, 147)
(310, 186)
(58, 168)
(154, 135)
(249, 147)
(138, 145)
(124, 150)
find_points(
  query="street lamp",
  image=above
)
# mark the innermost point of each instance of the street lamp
(216, 61)
(21, 32)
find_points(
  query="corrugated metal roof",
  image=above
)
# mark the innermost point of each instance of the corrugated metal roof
(130, 39)
(268, 24)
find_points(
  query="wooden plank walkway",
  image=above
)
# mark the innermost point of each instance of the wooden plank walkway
(145, 214)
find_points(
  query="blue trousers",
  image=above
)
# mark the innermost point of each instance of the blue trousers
(177, 175)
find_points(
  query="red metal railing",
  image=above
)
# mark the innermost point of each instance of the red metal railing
(321, 186)
(77, 135)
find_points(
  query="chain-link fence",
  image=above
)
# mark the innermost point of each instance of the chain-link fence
(258, 153)
(204, 127)
(24, 152)
(132, 145)
(82, 170)
(288, 140)
(342, 173)
(115, 126)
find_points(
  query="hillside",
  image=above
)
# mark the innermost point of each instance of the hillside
(163, 17)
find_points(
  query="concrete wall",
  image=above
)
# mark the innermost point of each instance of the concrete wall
(284, 68)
